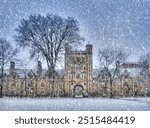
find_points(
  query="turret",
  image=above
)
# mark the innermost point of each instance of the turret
(12, 68)
(89, 48)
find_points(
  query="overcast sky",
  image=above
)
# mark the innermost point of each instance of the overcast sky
(105, 23)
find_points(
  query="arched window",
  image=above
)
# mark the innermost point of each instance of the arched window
(126, 88)
(78, 76)
(42, 85)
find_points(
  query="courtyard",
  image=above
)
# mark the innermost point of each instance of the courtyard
(74, 104)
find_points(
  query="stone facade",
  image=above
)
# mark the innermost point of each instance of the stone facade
(77, 80)
(78, 71)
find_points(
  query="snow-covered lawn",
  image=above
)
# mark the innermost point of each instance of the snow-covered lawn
(71, 104)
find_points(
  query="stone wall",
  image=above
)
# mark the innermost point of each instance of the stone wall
(42, 87)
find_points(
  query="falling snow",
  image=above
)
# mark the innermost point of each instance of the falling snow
(104, 23)
(74, 104)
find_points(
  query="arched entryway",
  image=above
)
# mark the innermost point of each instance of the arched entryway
(78, 91)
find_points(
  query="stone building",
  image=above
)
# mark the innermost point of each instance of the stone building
(78, 71)
(77, 79)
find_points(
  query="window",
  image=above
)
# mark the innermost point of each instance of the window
(77, 76)
(78, 66)
(42, 92)
(60, 85)
(42, 85)
(84, 76)
(135, 84)
(30, 84)
(78, 60)
(11, 92)
(127, 88)
(13, 84)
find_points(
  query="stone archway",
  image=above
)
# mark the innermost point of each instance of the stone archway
(78, 91)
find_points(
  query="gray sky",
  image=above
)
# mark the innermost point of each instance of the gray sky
(105, 23)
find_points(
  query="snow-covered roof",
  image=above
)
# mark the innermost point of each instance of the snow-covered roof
(134, 72)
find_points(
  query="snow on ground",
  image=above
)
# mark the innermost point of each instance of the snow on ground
(74, 104)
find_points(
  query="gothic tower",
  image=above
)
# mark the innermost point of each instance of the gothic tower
(78, 71)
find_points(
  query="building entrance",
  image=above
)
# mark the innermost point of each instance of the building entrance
(78, 91)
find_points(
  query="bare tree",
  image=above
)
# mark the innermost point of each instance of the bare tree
(106, 57)
(145, 57)
(47, 37)
(111, 59)
(7, 52)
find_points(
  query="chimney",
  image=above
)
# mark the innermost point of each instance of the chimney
(39, 68)
(12, 68)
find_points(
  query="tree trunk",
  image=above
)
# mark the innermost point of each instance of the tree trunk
(111, 88)
(35, 89)
(2, 80)
(1, 90)
(25, 85)
(51, 75)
